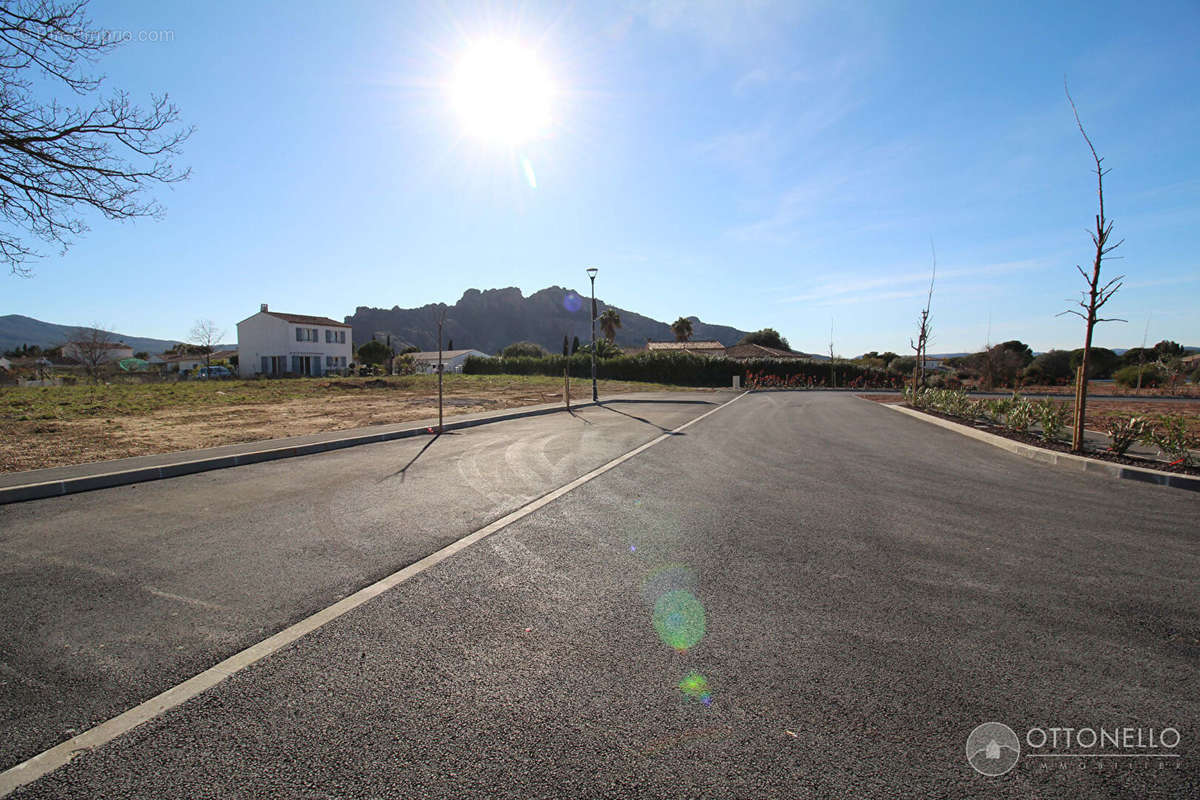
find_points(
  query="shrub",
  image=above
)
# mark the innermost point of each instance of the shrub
(1020, 415)
(524, 350)
(996, 408)
(1171, 437)
(1128, 376)
(1050, 367)
(1052, 417)
(1101, 362)
(1124, 432)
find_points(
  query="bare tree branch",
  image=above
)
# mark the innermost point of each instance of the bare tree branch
(58, 161)
(206, 335)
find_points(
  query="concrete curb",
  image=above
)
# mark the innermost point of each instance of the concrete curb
(1067, 460)
(86, 483)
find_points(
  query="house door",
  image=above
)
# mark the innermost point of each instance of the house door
(305, 365)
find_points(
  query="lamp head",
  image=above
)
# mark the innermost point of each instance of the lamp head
(591, 271)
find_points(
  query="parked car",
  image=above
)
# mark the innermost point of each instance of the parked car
(206, 373)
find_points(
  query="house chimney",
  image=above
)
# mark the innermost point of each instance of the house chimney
(263, 307)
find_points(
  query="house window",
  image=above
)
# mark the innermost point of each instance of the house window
(342, 338)
(299, 334)
(328, 336)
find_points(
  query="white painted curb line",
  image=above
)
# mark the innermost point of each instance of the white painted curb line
(49, 760)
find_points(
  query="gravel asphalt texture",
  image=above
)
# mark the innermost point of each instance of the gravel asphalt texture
(873, 588)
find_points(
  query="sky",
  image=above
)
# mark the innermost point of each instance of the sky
(796, 165)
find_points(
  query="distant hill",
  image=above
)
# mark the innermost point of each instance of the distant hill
(16, 330)
(492, 319)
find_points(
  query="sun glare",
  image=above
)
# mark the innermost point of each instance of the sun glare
(501, 93)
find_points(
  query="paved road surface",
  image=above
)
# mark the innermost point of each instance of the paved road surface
(872, 587)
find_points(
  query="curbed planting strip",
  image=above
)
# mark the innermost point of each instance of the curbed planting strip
(1055, 458)
(105, 480)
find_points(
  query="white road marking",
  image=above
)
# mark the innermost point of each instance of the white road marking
(191, 601)
(47, 761)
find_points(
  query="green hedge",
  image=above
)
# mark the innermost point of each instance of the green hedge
(683, 369)
(1128, 376)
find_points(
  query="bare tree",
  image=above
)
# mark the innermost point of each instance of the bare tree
(924, 330)
(1096, 294)
(206, 336)
(56, 158)
(832, 368)
(93, 349)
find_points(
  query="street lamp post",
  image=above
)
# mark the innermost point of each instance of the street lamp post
(592, 274)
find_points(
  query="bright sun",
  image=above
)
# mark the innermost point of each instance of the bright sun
(501, 93)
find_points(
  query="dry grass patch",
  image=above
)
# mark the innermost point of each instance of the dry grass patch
(54, 426)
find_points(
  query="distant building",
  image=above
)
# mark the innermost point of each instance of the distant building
(745, 352)
(709, 349)
(273, 343)
(452, 360)
(176, 362)
(115, 352)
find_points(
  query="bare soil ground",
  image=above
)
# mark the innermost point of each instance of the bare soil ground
(57, 426)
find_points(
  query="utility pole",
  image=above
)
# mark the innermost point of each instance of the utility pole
(441, 321)
(592, 274)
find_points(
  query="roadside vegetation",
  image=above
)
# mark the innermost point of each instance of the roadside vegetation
(1012, 365)
(1173, 435)
(684, 369)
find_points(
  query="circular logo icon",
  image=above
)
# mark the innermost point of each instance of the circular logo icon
(993, 749)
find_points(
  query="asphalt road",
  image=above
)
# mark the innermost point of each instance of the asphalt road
(872, 588)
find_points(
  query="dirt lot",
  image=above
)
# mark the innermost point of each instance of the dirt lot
(1099, 412)
(54, 426)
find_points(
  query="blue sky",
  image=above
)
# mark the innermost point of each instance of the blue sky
(752, 163)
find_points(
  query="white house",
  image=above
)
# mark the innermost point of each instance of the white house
(177, 363)
(452, 360)
(273, 343)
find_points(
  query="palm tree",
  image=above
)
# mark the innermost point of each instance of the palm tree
(682, 328)
(609, 322)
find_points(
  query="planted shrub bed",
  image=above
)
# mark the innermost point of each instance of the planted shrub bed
(1013, 417)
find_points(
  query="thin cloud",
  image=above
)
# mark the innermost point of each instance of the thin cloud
(851, 291)
(1161, 282)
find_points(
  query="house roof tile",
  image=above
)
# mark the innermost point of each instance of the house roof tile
(305, 319)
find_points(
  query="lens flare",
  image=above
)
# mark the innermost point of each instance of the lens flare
(668, 578)
(696, 687)
(679, 619)
(572, 302)
(527, 167)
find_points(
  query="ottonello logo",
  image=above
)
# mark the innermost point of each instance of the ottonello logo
(993, 748)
